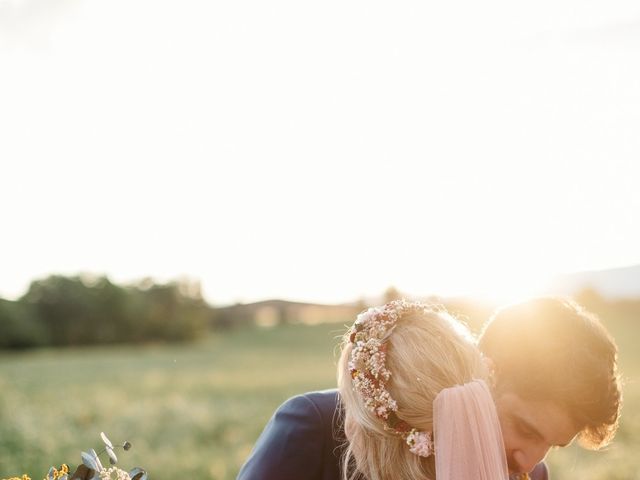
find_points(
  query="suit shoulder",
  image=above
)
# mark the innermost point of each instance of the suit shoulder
(321, 408)
(323, 401)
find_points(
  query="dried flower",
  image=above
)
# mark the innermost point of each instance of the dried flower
(114, 473)
(369, 372)
(91, 460)
(55, 474)
(106, 440)
(108, 446)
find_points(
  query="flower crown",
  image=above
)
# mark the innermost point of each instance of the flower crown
(370, 374)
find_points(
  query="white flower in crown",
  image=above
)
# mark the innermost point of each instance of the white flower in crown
(381, 411)
(376, 365)
(368, 315)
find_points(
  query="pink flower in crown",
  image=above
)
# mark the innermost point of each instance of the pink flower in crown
(420, 443)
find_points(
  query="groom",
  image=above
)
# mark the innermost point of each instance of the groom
(554, 373)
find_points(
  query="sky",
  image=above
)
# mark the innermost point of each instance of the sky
(319, 151)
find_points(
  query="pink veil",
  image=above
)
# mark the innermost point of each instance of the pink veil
(467, 434)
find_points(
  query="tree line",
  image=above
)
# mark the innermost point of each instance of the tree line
(62, 311)
(91, 310)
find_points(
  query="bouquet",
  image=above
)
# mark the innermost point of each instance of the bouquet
(91, 467)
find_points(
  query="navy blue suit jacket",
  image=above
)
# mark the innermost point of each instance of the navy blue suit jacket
(303, 440)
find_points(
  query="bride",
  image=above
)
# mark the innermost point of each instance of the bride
(412, 403)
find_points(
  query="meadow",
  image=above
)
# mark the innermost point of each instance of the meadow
(195, 410)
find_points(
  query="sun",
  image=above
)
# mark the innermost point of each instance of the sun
(493, 283)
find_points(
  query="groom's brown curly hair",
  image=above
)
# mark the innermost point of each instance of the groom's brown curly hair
(551, 348)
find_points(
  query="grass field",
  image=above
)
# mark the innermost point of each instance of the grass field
(194, 411)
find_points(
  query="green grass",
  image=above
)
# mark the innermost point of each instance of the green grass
(196, 410)
(188, 410)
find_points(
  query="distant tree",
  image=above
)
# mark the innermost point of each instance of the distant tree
(590, 298)
(20, 327)
(474, 313)
(391, 293)
(77, 310)
(361, 305)
(168, 314)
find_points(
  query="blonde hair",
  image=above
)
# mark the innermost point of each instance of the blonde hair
(426, 352)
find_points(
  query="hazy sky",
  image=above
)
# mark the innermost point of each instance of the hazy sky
(319, 150)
